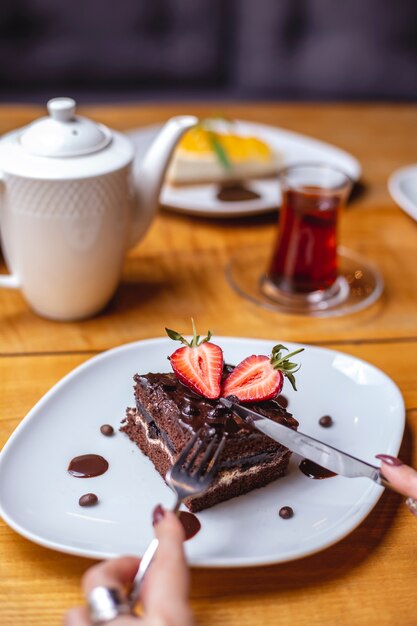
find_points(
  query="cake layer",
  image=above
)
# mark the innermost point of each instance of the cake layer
(168, 413)
(185, 170)
(232, 480)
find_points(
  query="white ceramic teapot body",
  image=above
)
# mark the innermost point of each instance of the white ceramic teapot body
(69, 207)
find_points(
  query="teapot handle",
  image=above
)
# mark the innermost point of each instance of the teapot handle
(9, 281)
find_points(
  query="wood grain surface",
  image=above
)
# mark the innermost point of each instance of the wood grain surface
(178, 270)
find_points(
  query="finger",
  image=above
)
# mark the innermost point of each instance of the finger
(402, 477)
(77, 617)
(115, 573)
(166, 586)
(80, 617)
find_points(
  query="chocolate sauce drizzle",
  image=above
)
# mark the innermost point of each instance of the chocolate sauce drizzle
(312, 470)
(236, 193)
(190, 523)
(197, 412)
(88, 466)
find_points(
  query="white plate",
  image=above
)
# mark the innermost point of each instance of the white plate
(201, 200)
(402, 186)
(39, 499)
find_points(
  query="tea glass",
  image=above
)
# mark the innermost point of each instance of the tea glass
(304, 266)
(307, 273)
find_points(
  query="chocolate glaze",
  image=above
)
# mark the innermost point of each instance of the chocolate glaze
(244, 462)
(312, 470)
(87, 466)
(283, 400)
(197, 412)
(236, 193)
(190, 523)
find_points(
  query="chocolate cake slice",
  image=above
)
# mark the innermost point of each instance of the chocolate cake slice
(168, 413)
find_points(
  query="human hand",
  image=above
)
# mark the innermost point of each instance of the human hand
(164, 593)
(402, 477)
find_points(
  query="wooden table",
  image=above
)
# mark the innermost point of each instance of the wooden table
(178, 271)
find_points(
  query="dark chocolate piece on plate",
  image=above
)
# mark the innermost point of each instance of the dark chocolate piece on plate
(88, 499)
(107, 430)
(326, 421)
(286, 512)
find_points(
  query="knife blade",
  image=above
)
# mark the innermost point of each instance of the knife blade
(317, 451)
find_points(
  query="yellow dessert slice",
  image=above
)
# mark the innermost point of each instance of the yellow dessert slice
(196, 159)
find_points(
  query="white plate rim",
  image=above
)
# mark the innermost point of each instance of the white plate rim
(255, 207)
(372, 493)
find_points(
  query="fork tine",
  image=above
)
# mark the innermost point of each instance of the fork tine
(214, 463)
(185, 451)
(188, 467)
(207, 457)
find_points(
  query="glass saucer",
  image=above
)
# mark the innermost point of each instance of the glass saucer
(359, 285)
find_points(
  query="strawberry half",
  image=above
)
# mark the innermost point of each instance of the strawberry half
(259, 378)
(199, 364)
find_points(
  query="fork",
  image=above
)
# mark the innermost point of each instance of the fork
(190, 476)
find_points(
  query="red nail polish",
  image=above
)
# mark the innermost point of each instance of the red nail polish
(157, 514)
(389, 460)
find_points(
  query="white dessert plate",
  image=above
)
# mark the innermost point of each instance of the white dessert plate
(201, 200)
(402, 185)
(39, 498)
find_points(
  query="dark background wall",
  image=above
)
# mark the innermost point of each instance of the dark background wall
(246, 49)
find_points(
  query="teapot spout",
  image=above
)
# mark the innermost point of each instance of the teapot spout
(152, 170)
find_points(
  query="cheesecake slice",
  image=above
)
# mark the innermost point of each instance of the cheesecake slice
(197, 161)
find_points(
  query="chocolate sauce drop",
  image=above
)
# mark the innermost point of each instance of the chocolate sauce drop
(236, 193)
(312, 470)
(88, 466)
(190, 523)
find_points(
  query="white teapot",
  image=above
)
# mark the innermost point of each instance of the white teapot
(69, 207)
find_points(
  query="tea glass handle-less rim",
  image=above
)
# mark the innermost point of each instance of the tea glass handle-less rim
(9, 281)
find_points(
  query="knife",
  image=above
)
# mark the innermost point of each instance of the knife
(321, 453)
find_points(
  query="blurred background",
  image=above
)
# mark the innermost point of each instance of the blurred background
(138, 50)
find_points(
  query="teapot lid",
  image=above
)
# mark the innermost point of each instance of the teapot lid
(63, 134)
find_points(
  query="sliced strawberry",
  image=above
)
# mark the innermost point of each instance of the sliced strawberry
(259, 378)
(199, 364)
(200, 368)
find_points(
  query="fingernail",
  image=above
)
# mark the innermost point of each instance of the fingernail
(157, 514)
(389, 460)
